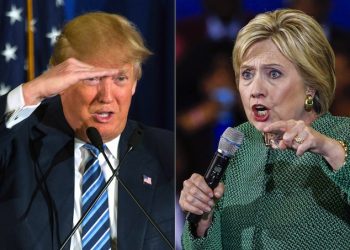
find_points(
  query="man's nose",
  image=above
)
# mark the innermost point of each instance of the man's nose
(105, 90)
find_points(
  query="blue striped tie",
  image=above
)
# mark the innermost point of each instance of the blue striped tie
(96, 225)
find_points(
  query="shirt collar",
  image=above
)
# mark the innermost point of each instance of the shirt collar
(112, 146)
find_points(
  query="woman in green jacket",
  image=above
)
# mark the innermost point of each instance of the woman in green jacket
(293, 194)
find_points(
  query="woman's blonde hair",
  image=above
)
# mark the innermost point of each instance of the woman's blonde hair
(300, 39)
(103, 36)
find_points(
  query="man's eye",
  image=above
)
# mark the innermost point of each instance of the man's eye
(120, 78)
(275, 74)
(247, 74)
(92, 81)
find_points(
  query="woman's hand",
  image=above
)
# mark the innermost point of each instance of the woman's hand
(301, 137)
(198, 198)
(60, 77)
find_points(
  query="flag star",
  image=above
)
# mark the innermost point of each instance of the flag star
(9, 52)
(4, 88)
(14, 14)
(53, 34)
(59, 3)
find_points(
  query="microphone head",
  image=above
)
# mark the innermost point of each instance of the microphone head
(230, 141)
(135, 138)
(95, 137)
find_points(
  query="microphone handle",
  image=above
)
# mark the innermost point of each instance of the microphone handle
(77, 225)
(212, 177)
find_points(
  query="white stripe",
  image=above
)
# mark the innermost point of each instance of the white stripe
(92, 189)
(89, 171)
(102, 237)
(97, 206)
(95, 227)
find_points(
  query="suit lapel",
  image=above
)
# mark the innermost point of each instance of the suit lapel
(53, 146)
(132, 222)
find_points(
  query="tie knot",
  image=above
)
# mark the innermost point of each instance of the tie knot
(92, 149)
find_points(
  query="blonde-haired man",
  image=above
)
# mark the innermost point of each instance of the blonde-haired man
(48, 163)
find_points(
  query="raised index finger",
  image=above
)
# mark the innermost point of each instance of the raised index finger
(279, 126)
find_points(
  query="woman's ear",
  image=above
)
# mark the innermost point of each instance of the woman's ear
(310, 91)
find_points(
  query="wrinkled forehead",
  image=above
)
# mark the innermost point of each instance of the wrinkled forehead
(264, 51)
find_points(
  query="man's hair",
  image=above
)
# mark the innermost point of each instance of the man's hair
(300, 39)
(99, 35)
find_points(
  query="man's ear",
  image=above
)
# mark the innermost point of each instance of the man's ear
(134, 88)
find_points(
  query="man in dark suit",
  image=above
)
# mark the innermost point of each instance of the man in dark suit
(44, 156)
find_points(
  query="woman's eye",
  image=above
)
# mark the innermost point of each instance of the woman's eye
(275, 74)
(247, 74)
(92, 81)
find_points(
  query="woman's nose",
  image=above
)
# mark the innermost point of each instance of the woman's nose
(258, 87)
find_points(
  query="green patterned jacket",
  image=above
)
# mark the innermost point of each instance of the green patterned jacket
(276, 200)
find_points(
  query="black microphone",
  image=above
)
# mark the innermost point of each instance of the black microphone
(95, 137)
(229, 142)
(135, 138)
(96, 140)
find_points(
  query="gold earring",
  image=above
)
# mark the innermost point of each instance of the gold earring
(309, 103)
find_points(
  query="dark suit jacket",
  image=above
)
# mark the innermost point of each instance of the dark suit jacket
(37, 183)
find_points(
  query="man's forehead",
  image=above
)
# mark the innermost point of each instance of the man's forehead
(109, 63)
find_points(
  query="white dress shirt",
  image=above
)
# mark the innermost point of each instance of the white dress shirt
(17, 111)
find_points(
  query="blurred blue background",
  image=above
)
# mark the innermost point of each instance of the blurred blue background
(339, 11)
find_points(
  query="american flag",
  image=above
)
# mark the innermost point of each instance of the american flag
(147, 180)
(48, 16)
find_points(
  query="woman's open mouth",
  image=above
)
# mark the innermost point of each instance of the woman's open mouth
(260, 112)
